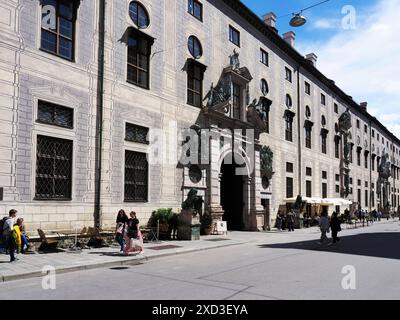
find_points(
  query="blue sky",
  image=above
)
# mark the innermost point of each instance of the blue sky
(363, 60)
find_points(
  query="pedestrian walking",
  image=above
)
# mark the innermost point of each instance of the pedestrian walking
(133, 237)
(335, 227)
(290, 220)
(324, 226)
(121, 223)
(8, 234)
(279, 221)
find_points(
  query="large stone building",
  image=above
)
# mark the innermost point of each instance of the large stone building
(82, 83)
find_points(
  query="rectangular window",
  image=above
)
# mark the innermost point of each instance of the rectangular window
(53, 168)
(136, 133)
(308, 137)
(264, 57)
(337, 148)
(351, 153)
(138, 61)
(289, 187)
(377, 136)
(194, 84)
(57, 34)
(136, 176)
(335, 108)
(236, 101)
(359, 196)
(308, 172)
(289, 167)
(55, 114)
(358, 124)
(337, 189)
(366, 184)
(307, 87)
(288, 74)
(373, 164)
(373, 133)
(359, 182)
(324, 175)
(358, 157)
(288, 128)
(351, 180)
(337, 177)
(323, 144)
(323, 99)
(324, 190)
(308, 189)
(366, 198)
(195, 8)
(234, 36)
(365, 128)
(366, 160)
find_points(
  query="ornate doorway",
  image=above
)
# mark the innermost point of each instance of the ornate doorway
(232, 196)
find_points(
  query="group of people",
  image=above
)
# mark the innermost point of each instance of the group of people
(285, 221)
(127, 233)
(13, 237)
(327, 225)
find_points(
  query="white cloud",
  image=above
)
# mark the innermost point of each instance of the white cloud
(326, 24)
(365, 62)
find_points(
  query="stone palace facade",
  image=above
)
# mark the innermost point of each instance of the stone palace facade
(87, 88)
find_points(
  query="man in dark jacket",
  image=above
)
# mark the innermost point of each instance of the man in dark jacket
(335, 227)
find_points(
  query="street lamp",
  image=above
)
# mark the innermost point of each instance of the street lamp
(298, 20)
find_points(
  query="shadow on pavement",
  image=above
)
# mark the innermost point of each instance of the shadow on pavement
(380, 245)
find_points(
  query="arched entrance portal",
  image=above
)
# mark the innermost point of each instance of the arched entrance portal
(232, 195)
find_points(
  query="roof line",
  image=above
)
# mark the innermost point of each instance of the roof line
(272, 34)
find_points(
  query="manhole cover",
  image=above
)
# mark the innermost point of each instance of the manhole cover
(168, 246)
(217, 239)
(119, 268)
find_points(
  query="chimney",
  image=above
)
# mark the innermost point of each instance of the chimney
(363, 106)
(270, 19)
(312, 58)
(289, 37)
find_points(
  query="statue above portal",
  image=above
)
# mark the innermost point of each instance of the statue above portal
(234, 58)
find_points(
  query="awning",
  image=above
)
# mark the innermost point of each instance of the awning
(337, 201)
(323, 202)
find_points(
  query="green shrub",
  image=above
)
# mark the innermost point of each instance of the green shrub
(164, 215)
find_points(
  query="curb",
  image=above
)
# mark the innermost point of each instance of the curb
(132, 261)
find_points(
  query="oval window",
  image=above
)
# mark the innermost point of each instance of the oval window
(264, 87)
(195, 174)
(139, 15)
(308, 112)
(323, 121)
(288, 101)
(194, 47)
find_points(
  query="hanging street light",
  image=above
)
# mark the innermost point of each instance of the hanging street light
(298, 20)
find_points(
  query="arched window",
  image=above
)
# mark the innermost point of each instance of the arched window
(139, 15)
(194, 47)
(288, 101)
(264, 87)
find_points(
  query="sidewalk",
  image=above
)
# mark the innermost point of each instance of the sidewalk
(31, 265)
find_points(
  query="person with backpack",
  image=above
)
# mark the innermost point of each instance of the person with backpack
(8, 233)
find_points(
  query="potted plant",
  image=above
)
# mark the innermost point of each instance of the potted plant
(161, 218)
(206, 223)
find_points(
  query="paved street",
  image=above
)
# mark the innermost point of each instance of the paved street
(270, 266)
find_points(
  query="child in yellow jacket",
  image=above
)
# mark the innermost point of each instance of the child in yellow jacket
(17, 237)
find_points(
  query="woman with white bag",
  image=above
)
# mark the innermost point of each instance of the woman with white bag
(133, 236)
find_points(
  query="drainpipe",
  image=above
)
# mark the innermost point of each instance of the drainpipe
(99, 115)
(370, 168)
(299, 130)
